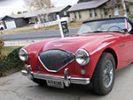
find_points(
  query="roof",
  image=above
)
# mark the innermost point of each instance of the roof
(38, 12)
(11, 16)
(44, 11)
(16, 16)
(129, 0)
(53, 10)
(87, 5)
(1, 18)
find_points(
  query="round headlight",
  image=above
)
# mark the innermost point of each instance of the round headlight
(82, 57)
(23, 55)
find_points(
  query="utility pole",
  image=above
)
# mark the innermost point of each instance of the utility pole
(125, 9)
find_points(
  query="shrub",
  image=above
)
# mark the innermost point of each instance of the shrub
(11, 63)
(131, 16)
(1, 46)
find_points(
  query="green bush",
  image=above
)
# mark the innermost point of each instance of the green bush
(130, 16)
(1, 46)
(11, 63)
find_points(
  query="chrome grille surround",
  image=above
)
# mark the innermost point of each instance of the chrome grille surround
(55, 56)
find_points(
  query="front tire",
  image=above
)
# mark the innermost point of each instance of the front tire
(104, 75)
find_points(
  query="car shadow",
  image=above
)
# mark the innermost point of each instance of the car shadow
(77, 92)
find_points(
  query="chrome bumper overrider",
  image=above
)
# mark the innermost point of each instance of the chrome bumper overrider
(67, 80)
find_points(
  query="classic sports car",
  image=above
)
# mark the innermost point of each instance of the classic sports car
(91, 57)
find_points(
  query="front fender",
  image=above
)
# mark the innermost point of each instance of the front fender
(95, 55)
(33, 51)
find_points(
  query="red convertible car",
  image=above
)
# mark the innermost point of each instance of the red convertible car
(91, 57)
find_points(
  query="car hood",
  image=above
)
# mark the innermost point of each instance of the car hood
(74, 43)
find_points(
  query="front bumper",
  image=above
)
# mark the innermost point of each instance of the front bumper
(67, 80)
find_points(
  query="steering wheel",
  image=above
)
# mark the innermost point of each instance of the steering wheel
(119, 28)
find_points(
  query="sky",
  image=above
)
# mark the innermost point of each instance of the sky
(9, 6)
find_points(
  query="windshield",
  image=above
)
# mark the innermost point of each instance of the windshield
(103, 26)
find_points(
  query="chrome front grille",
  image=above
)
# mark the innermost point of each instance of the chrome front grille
(54, 60)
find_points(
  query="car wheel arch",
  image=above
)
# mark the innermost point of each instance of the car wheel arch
(110, 50)
(106, 50)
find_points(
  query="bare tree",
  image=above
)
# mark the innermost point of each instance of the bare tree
(38, 4)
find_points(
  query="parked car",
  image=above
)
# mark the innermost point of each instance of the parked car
(92, 57)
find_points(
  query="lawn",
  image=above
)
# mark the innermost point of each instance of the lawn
(7, 50)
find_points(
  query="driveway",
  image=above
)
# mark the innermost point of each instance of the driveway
(18, 87)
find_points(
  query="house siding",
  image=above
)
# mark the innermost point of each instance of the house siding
(108, 9)
(89, 14)
(131, 9)
(19, 22)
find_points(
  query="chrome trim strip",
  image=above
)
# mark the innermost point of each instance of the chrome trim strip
(46, 77)
(88, 55)
(83, 51)
(24, 50)
(74, 80)
(58, 69)
(24, 72)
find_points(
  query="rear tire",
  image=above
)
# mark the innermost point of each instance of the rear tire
(104, 75)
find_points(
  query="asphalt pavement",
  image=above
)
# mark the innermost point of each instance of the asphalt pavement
(34, 35)
(18, 87)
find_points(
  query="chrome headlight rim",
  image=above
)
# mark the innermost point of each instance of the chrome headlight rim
(23, 54)
(82, 60)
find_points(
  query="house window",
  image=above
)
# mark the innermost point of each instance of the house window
(105, 12)
(75, 16)
(95, 12)
(116, 11)
(79, 15)
(65, 13)
(128, 11)
(90, 12)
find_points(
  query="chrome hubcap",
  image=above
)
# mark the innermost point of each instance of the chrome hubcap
(108, 74)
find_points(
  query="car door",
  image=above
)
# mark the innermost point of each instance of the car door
(129, 48)
(126, 49)
(130, 41)
(129, 44)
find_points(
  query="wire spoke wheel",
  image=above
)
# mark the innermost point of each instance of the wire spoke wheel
(108, 74)
(103, 79)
